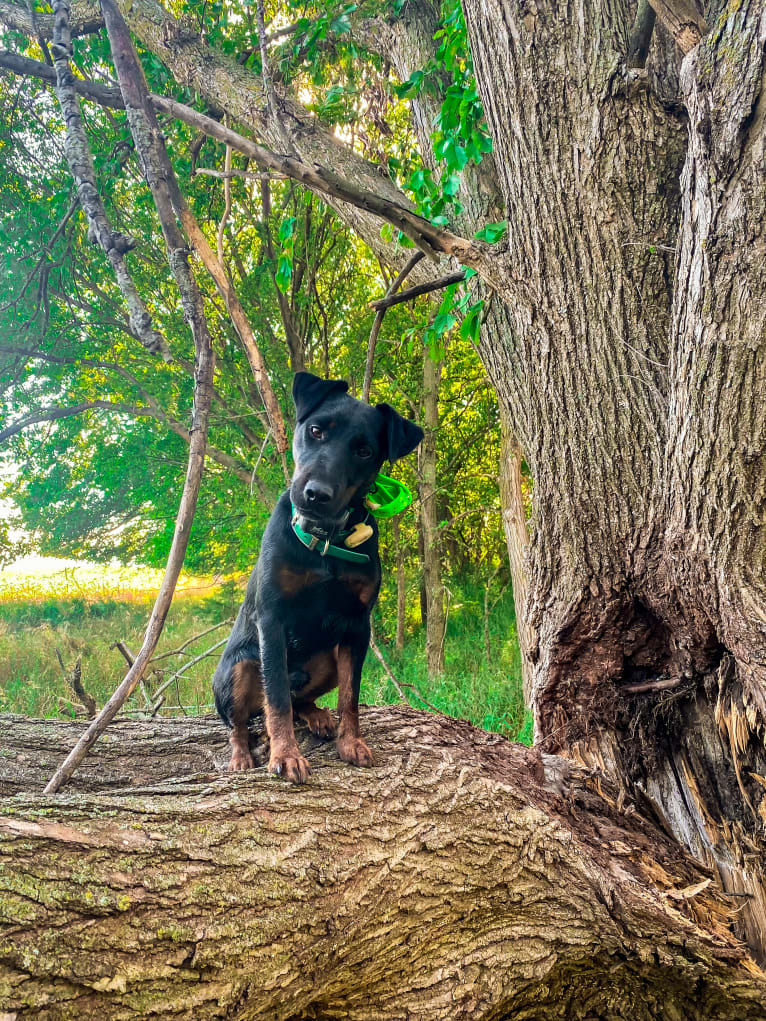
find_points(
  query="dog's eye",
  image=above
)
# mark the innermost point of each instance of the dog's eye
(316, 432)
(364, 452)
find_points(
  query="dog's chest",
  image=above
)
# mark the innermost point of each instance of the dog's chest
(322, 608)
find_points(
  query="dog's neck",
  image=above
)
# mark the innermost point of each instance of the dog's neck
(317, 537)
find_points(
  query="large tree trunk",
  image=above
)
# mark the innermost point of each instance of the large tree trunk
(463, 877)
(640, 402)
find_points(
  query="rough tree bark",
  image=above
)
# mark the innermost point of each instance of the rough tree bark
(463, 877)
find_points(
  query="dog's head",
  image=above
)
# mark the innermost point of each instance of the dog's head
(340, 445)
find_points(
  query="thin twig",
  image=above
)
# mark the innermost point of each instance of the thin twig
(226, 207)
(446, 621)
(74, 680)
(247, 175)
(415, 292)
(399, 685)
(130, 658)
(187, 666)
(258, 459)
(191, 641)
(370, 363)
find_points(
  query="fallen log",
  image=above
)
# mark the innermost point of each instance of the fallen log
(462, 877)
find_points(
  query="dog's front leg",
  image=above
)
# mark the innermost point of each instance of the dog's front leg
(285, 758)
(351, 747)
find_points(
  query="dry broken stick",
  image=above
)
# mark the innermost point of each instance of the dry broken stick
(159, 174)
(74, 680)
(80, 161)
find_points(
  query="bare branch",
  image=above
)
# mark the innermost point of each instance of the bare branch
(103, 94)
(247, 175)
(370, 363)
(159, 173)
(431, 240)
(234, 465)
(80, 161)
(399, 685)
(415, 292)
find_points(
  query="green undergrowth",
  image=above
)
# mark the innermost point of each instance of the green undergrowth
(485, 690)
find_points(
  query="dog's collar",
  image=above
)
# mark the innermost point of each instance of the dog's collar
(321, 543)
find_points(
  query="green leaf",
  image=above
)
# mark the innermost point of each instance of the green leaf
(284, 273)
(451, 185)
(492, 232)
(287, 228)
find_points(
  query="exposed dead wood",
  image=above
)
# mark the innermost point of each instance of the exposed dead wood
(683, 20)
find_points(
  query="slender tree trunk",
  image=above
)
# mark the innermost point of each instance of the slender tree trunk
(429, 504)
(482, 882)
(517, 540)
(401, 584)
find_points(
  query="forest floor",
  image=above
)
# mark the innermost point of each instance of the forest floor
(82, 615)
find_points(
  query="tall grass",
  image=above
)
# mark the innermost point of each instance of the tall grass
(84, 620)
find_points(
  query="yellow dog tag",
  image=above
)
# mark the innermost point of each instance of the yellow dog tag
(359, 534)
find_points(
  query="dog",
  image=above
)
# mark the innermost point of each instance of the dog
(304, 626)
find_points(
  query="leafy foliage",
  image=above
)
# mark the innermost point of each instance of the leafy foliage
(105, 482)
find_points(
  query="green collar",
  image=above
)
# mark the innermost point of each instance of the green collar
(323, 546)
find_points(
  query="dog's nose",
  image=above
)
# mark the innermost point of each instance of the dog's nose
(317, 492)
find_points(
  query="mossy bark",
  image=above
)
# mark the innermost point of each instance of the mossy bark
(462, 877)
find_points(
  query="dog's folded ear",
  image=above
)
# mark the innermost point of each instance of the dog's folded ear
(309, 391)
(400, 436)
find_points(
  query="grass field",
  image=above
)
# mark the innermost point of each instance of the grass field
(81, 613)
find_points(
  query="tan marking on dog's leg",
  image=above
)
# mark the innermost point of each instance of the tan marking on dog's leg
(351, 747)
(246, 698)
(319, 721)
(285, 758)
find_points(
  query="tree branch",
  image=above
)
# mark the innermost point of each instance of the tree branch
(415, 292)
(84, 18)
(105, 95)
(154, 411)
(80, 161)
(431, 240)
(370, 362)
(158, 171)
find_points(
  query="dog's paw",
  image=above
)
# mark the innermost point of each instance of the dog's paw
(290, 765)
(355, 751)
(241, 759)
(320, 722)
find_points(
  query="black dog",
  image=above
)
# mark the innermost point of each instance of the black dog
(304, 627)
